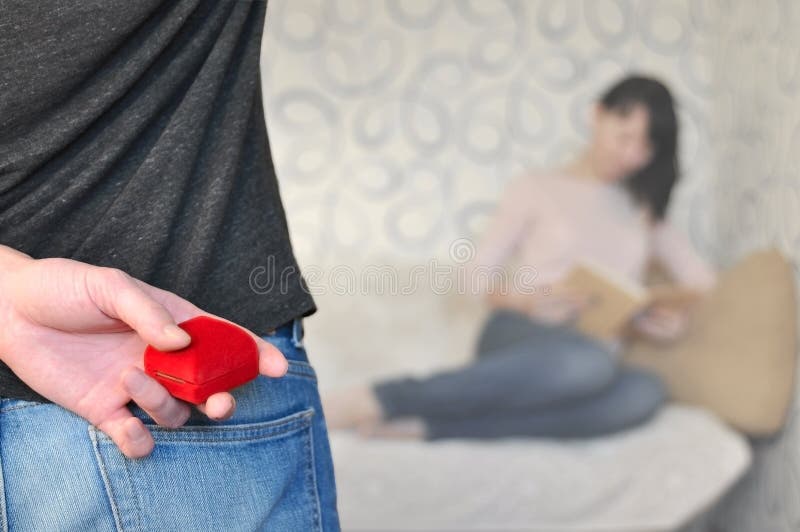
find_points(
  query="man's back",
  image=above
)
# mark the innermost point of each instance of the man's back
(137, 192)
(132, 135)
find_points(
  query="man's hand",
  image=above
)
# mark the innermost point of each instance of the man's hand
(661, 323)
(76, 334)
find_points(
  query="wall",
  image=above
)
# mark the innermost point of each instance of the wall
(395, 125)
(755, 127)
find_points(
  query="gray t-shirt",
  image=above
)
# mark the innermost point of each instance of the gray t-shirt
(132, 135)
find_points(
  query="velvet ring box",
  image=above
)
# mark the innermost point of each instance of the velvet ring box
(221, 356)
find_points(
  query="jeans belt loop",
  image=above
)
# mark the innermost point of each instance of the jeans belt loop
(294, 325)
(297, 332)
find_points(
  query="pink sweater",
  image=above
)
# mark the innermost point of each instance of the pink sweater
(551, 221)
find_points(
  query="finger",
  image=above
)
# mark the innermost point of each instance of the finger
(128, 433)
(154, 399)
(668, 322)
(118, 295)
(271, 361)
(658, 329)
(219, 406)
(649, 330)
(664, 312)
(180, 309)
(674, 326)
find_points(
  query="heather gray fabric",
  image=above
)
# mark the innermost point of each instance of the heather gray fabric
(132, 135)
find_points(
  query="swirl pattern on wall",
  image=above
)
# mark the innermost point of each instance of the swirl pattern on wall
(477, 92)
(395, 125)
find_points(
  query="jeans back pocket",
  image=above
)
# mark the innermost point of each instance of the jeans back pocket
(250, 476)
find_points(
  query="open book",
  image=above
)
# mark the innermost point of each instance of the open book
(615, 299)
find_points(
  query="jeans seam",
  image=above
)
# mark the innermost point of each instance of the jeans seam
(242, 439)
(136, 501)
(302, 375)
(301, 368)
(3, 508)
(106, 481)
(19, 407)
(250, 431)
(312, 471)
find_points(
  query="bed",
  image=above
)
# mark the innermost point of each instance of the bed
(660, 476)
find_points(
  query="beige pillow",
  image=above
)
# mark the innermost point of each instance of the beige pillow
(738, 358)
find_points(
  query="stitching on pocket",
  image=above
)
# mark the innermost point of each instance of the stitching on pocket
(20, 404)
(3, 510)
(301, 369)
(250, 431)
(312, 470)
(301, 421)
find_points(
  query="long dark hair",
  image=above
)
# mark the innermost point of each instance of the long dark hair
(652, 185)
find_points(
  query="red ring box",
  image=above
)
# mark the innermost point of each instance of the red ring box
(220, 357)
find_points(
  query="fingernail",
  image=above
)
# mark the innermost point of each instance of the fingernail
(176, 332)
(228, 413)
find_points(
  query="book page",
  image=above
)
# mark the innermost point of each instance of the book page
(613, 300)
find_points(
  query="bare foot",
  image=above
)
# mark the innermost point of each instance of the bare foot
(409, 428)
(350, 407)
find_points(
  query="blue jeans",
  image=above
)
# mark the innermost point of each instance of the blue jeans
(528, 379)
(268, 467)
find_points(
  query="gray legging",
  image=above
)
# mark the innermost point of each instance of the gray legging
(528, 379)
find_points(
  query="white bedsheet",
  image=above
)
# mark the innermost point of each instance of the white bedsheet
(653, 478)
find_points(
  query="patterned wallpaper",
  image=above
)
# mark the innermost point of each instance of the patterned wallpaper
(395, 125)
(755, 131)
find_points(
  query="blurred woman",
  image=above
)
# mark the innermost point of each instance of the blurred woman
(535, 373)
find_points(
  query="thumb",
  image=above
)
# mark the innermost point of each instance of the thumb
(118, 295)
